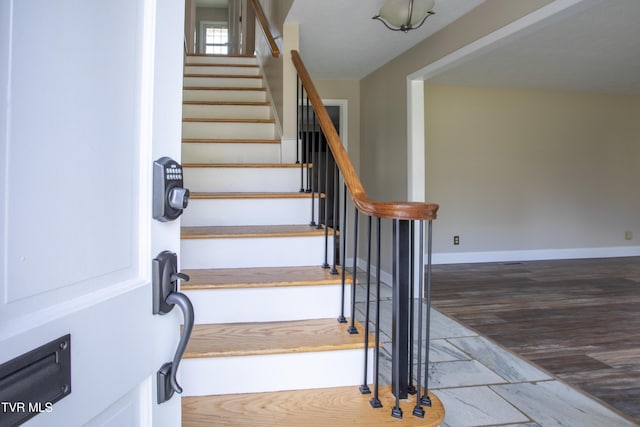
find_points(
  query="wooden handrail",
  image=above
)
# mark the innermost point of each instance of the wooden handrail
(264, 24)
(390, 210)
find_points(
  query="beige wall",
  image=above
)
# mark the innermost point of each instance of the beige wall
(531, 170)
(383, 152)
(212, 14)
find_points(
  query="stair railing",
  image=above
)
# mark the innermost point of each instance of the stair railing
(324, 164)
(266, 29)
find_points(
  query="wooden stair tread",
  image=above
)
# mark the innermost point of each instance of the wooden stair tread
(247, 231)
(211, 196)
(234, 278)
(250, 339)
(242, 165)
(225, 76)
(220, 55)
(204, 64)
(212, 120)
(243, 88)
(338, 406)
(230, 141)
(229, 103)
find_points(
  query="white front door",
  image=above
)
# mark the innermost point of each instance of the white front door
(90, 95)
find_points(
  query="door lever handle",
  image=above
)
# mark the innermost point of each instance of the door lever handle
(180, 276)
(182, 301)
(165, 297)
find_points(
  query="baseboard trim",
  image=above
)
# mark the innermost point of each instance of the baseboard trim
(535, 255)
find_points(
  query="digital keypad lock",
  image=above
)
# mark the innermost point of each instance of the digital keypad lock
(169, 195)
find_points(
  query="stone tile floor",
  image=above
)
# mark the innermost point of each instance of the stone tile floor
(482, 384)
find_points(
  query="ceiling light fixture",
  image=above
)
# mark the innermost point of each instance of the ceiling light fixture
(405, 15)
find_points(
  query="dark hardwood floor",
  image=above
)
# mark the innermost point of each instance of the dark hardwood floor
(578, 319)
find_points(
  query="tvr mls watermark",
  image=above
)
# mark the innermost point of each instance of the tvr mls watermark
(23, 407)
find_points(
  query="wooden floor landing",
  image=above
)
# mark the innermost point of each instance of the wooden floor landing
(330, 407)
(578, 319)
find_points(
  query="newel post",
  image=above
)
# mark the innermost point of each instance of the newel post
(401, 307)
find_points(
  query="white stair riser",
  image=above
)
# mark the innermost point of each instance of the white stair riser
(254, 252)
(276, 304)
(222, 82)
(197, 152)
(273, 372)
(226, 111)
(224, 95)
(227, 130)
(249, 60)
(226, 212)
(222, 179)
(218, 69)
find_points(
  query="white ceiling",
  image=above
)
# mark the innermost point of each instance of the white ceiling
(593, 46)
(339, 40)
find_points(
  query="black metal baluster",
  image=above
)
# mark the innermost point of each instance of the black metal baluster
(308, 147)
(364, 388)
(343, 240)
(313, 169)
(303, 138)
(418, 411)
(400, 315)
(299, 129)
(336, 216)
(319, 188)
(326, 206)
(352, 329)
(375, 400)
(411, 388)
(426, 400)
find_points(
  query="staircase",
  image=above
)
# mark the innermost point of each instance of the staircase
(266, 349)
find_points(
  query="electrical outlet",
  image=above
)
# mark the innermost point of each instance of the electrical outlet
(628, 235)
(456, 240)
